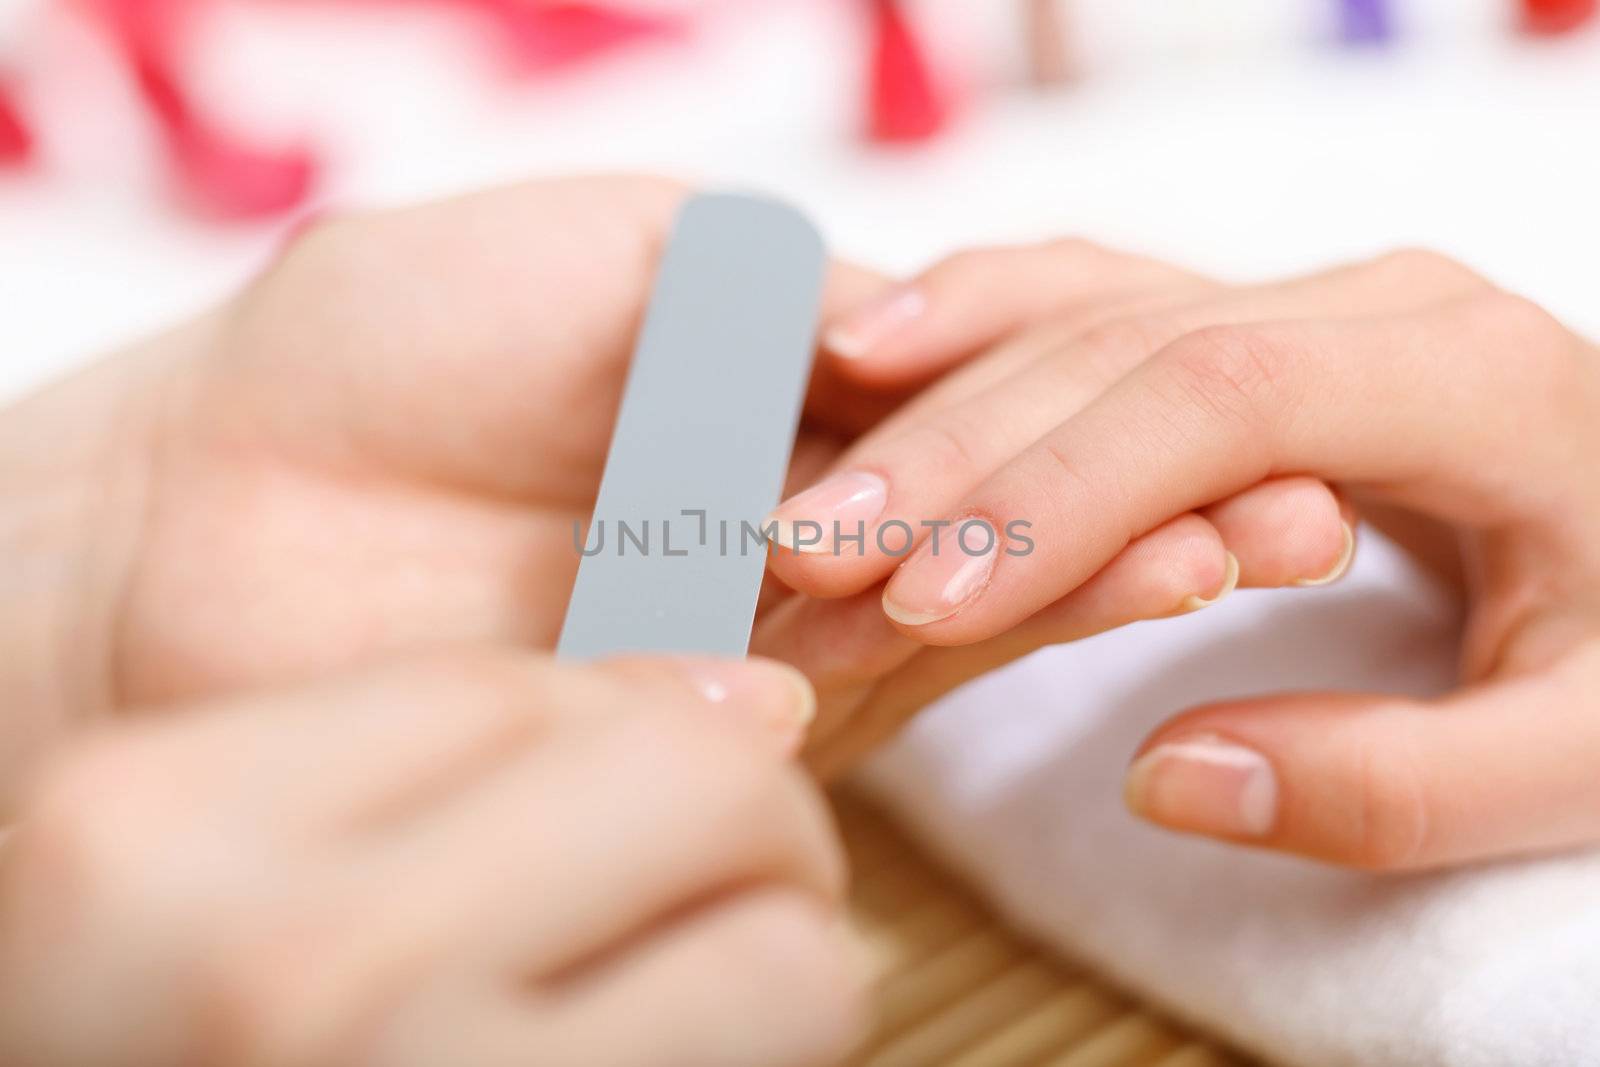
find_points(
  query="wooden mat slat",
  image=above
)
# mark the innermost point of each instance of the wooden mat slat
(955, 988)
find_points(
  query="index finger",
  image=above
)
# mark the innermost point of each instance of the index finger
(1447, 412)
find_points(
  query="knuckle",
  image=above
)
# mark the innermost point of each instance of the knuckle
(1525, 321)
(1392, 814)
(1544, 353)
(946, 444)
(1231, 372)
(1425, 263)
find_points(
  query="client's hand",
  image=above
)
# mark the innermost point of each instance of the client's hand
(486, 858)
(1143, 427)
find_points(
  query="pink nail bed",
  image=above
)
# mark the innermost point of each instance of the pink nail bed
(873, 324)
(933, 586)
(853, 500)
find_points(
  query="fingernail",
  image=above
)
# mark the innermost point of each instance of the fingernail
(1339, 567)
(851, 500)
(1204, 784)
(874, 322)
(934, 585)
(773, 694)
(1230, 581)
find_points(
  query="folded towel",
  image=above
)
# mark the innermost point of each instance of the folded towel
(1016, 781)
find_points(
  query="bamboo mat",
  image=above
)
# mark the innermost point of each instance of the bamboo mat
(955, 988)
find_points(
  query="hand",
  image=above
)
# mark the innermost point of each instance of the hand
(485, 858)
(382, 445)
(1063, 319)
(1427, 397)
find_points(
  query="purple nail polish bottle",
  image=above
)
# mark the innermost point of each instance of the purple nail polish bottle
(1364, 22)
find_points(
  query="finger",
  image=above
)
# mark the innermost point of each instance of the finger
(972, 299)
(1286, 531)
(720, 988)
(1394, 283)
(872, 678)
(836, 402)
(716, 986)
(1387, 782)
(1176, 569)
(850, 530)
(702, 810)
(911, 332)
(904, 477)
(814, 452)
(1428, 407)
(352, 750)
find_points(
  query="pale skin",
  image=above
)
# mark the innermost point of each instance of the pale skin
(223, 541)
(431, 863)
(1132, 426)
(290, 779)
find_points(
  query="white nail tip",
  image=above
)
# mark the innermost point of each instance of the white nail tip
(1340, 567)
(844, 344)
(785, 536)
(1257, 799)
(1230, 581)
(914, 618)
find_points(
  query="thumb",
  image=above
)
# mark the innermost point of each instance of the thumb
(1387, 782)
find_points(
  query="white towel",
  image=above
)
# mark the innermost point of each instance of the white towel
(1016, 780)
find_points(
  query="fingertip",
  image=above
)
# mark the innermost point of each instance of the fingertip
(866, 329)
(1204, 783)
(1293, 531)
(1341, 564)
(772, 696)
(1230, 582)
(1333, 776)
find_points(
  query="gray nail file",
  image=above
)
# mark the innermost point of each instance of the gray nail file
(672, 561)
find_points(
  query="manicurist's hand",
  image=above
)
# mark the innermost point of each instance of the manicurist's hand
(381, 445)
(1453, 412)
(478, 858)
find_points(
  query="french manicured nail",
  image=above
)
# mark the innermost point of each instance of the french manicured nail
(1230, 581)
(842, 504)
(1205, 784)
(773, 694)
(875, 322)
(1342, 565)
(944, 575)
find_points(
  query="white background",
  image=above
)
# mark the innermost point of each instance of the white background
(1229, 134)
